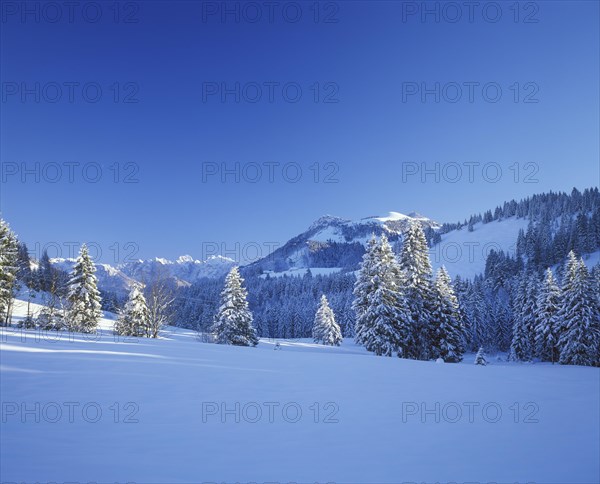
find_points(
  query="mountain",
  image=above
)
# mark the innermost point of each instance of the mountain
(182, 272)
(335, 243)
(540, 229)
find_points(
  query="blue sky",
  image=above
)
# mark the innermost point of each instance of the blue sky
(372, 145)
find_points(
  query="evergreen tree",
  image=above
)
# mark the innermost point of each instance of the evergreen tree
(530, 309)
(580, 341)
(418, 290)
(475, 317)
(325, 330)
(480, 357)
(24, 272)
(546, 331)
(448, 329)
(134, 319)
(45, 272)
(520, 347)
(84, 303)
(8, 272)
(363, 288)
(503, 322)
(233, 322)
(595, 279)
(387, 326)
(26, 276)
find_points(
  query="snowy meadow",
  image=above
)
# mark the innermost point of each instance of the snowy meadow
(178, 410)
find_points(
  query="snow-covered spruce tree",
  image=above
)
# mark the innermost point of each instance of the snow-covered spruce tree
(83, 297)
(476, 317)
(595, 278)
(388, 327)
(325, 330)
(363, 288)
(480, 357)
(461, 289)
(9, 248)
(27, 276)
(233, 322)
(567, 277)
(579, 342)
(520, 347)
(134, 319)
(546, 331)
(448, 329)
(417, 287)
(530, 309)
(502, 316)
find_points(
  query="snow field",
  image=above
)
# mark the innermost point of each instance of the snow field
(177, 410)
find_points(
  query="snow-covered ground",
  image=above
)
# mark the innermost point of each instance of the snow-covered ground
(86, 409)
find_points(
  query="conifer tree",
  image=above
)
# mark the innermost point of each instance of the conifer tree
(475, 317)
(45, 272)
(233, 322)
(417, 287)
(579, 342)
(546, 332)
(325, 330)
(520, 347)
(530, 309)
(448, 329)
(595, 279)
(480, 357)
(502, 332)
(134, 319)
(83, 297)
(8, 271)
(387, 328)
(363, 287)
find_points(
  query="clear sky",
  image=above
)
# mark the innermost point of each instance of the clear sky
(340, 98)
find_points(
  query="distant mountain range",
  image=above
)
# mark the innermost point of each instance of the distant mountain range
(182, 272)
(330, 242)
(542, 228)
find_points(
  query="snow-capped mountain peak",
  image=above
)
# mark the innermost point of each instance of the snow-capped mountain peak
(182, 272)
(336, 242)
(185, 259)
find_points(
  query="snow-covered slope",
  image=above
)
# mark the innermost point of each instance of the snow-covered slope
(177, 410)
(37, 303)
(464, 253)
